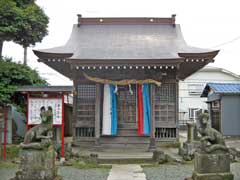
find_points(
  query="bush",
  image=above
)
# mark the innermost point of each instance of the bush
(13, 75)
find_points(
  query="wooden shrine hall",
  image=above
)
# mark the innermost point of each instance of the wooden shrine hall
(125, 73)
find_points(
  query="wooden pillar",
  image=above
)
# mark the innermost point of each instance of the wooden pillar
(27, 127)
(97, 114)
(5, 112)
(177, 110)
(9, 123)
(152, 145)
(74, 110)
(63, 144)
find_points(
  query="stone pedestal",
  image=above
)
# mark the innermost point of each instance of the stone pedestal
(191, 145)
(190, 132)
(37, 165)
(188, 149)
(212, 167)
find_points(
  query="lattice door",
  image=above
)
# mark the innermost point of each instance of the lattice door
(126, 104)
(86, 110)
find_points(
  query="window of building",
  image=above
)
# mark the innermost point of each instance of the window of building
(192, 113)
(215, 105)
(195, 89)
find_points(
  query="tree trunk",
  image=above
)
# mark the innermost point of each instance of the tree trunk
(1, 48)
(25, 56)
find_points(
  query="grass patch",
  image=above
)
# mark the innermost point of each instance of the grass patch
(150, 165)
(188, 162)
(174, 144)
(12, 151)
(83, 165)
(7, 165)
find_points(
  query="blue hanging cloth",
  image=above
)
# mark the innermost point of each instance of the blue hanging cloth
(146, 109)
(113, 110)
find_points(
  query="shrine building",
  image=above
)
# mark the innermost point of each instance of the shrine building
(125, 73)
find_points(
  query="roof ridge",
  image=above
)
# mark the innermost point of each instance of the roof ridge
(126, 20)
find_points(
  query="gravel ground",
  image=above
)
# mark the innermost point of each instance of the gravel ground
(163, 172)
(6, 174)
(68, 173)
(179, 172)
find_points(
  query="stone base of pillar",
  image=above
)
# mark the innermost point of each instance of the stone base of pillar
(152, 145)
(97, 143)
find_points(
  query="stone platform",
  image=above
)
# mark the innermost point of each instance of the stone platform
(124, 156)
(212, 167)
(37, 165)
(212, 176)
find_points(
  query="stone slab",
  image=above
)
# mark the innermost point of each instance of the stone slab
(126, 172)
(37, 165)
(212, 176)
(212, 163)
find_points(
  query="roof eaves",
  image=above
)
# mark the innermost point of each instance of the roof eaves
(210, 54)
(47, 55)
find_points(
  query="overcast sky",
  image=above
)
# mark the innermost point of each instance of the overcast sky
(211, 24)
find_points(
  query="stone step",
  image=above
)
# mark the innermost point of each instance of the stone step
(124, 140)
(84, 143)
(125, 146)
(125, 160)
(127, 132)
(127, 125)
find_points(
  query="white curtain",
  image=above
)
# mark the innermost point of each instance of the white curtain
(106, 130)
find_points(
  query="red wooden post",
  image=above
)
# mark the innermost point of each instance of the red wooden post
(27, 112)
(5, 135)
(62, 150)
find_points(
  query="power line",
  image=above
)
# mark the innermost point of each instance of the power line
(227, 42)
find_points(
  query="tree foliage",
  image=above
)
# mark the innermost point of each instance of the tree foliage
(13, 75)
(34, 26)
(22, 21)
(10, 19)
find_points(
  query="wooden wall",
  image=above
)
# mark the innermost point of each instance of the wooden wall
(164, 102)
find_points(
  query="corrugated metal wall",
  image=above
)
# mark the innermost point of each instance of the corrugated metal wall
(230, 107)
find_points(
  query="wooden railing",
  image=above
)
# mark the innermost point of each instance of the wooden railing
(85, 132)
(165, 133)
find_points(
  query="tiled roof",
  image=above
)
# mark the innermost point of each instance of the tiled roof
(129, 40)
(221, 88)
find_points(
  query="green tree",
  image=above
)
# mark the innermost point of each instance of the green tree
(11, 19)
(13, 75)
(23, 22)
(34, 28)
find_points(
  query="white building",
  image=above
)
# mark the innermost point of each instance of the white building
(191, 88)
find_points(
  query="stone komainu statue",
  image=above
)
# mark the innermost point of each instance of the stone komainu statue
(212, 141)
(40, 136)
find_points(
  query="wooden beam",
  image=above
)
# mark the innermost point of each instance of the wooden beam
(97, 114)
